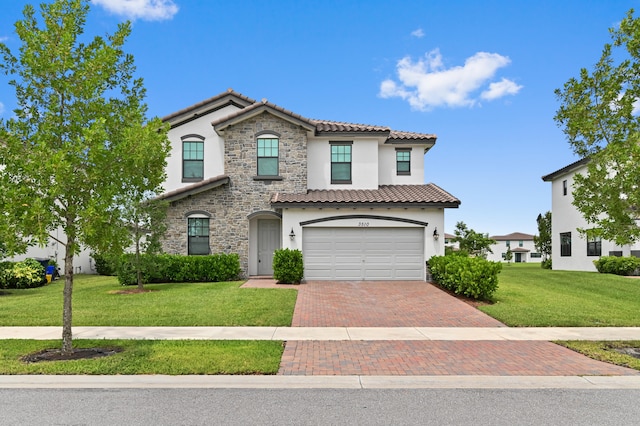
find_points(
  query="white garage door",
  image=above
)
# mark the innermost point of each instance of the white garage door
(363, 253)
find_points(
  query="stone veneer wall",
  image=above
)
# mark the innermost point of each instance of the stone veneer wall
(229, 205)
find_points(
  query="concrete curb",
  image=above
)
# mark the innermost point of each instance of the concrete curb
(320, 382)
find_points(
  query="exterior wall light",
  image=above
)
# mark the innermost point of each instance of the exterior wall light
(435, 234)
(292, 235)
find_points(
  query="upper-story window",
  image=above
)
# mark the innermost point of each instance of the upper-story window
(268, 156)
(403, 162)
(564, 187)
(192, 158)
(520, 243)
(508, 243)
(341, 162)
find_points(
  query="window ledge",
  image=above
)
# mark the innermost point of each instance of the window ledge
(341, 182)
(184, 179)
(267, 178)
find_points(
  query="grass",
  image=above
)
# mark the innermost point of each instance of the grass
(172, 357)
(529, 296)
(202, 304)
(606, 351)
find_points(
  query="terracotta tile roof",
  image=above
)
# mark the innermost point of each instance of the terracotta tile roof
(324, 126)
(520, 250)
(400, 195)
(513, 236)
(195, 188)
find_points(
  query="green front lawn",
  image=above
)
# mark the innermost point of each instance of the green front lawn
(173, 357)
(201, 304)
(529, 296)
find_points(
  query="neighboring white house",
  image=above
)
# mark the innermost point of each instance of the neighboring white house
(82, 262)
(250, 177)
(571, 250)
(522, 248)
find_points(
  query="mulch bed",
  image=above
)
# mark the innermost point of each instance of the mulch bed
(81, 353)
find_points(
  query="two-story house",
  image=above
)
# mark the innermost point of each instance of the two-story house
(570, 249)
(250, 177)
(522, 248)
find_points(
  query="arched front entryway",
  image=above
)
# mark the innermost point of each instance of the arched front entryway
(265, 237)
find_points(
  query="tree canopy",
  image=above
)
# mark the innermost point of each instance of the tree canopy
(542, 241)
(600, 116)
(472, 242)
(79, 140)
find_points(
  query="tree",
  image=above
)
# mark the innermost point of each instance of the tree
(542, 241)
(146, 218)
(508, 255)
(472, 242)
(79, 139)
(599, 115)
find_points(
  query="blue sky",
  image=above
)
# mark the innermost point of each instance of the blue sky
(478, 74)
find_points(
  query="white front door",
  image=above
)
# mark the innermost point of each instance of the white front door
(268, 242)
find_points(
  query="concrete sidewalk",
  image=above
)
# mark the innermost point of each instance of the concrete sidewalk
(329, 333)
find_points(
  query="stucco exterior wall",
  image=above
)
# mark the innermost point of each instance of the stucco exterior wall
(364, 165)
(387, 169)
(213, 148)
(566, 218)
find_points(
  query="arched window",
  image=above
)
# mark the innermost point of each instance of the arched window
(192, 158)
(268, 155)
(198, 234)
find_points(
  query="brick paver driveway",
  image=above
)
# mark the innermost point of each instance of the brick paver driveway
(415, 304)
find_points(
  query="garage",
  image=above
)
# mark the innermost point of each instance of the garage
(363, 253)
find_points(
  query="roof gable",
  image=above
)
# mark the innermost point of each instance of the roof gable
(207, 106)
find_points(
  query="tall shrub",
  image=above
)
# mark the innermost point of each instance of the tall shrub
(288, 267)
(469, 276)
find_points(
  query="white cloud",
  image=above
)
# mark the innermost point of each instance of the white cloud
(418, 33)
(147, 10)
(427, 83)
(636, 107)
(1, 108)
(502, 88)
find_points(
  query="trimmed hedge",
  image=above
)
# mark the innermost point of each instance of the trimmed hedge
(288, 267)
(28, 273)
(617, 265)
(167, 268)
(469, 276)
(105, 264)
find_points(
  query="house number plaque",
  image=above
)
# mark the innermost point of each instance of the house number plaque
(363, 224)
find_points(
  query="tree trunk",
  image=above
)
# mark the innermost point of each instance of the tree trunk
(67, 338)
(138, 262)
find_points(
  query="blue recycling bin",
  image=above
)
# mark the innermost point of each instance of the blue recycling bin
(50, 270)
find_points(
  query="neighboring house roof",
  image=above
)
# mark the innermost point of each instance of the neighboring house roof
(567, 169)
(196, 188)
(520, 250)
(449, 236)
(513, 236)
(428, 195)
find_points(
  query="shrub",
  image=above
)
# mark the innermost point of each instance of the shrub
(28, 273)
(288, 267)
(617, 265)
(157, 268)
(105, 264)
(546, 264)
(469, 276)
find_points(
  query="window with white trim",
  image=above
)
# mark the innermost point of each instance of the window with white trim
(341, 162)
(192, 160)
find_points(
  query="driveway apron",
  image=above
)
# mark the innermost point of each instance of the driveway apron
(415, 304)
